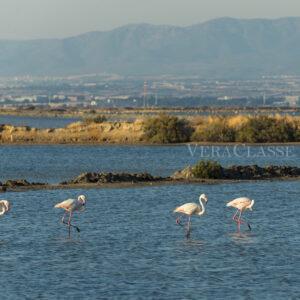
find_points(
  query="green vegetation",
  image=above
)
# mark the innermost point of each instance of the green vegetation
(207, 169)
(97, 119)
(248, 129)
(264, 129)
(215, 132)
(166, 129)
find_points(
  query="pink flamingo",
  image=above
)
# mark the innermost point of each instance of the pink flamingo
(71, 205)
(4, 207)
(241, 204)
(190, 209)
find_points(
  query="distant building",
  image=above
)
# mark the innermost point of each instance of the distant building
(291, 100)
(224, 98)
(72, 98)
(42, 99)
(24, 99)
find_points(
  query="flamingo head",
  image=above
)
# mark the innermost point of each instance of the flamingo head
(203, 197)
(82, 199)
(251, 204)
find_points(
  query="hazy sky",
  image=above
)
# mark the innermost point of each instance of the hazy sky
(23, 19)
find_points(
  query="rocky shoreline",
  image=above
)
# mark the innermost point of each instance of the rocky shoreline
(123, 179)
(247, 172)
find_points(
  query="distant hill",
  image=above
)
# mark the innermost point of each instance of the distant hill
(221, 48)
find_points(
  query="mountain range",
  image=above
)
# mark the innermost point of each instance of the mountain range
(220, 48)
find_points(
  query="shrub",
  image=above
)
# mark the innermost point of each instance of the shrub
(297, 134)
(96, 119)
(215, 132)
(166, 129)
(207, 169)
(264, 129)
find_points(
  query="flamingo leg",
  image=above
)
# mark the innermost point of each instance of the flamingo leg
(188, 232)
(239, 221)
(234, 216)
(63, 218)
(245, 222)
(69, 223)
(178, 221)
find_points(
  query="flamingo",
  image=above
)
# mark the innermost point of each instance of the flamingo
(71, 205)
(4, 207)
(190, 209)
(241, 204)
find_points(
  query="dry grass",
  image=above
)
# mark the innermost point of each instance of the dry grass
(237, 121)
(78, 132)
(126, 132)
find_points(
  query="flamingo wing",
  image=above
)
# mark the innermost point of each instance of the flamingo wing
(187, 208)
(67, 204)
(239, 202)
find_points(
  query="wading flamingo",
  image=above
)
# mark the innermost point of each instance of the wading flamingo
(4, 207)
(241, 204)
(190, 209)
(71, 205)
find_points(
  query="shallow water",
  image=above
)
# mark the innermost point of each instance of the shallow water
(130, 247)
(37, 122)
(56, 163)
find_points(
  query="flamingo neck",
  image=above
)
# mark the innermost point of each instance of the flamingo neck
(251, 204)
(202, 207)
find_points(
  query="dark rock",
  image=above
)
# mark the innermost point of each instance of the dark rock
(16, 183)
(2, 188)
(246, 172)
(86, 178)
(38, 183)
(112, 177)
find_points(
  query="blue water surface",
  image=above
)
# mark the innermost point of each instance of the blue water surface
(130, 247)
(56, 163)
(37, 122)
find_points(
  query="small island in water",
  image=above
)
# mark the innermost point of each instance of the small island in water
(203, 172)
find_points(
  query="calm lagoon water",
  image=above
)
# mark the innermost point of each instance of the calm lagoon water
(37, 122)
(57, 163)
(131, 248)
